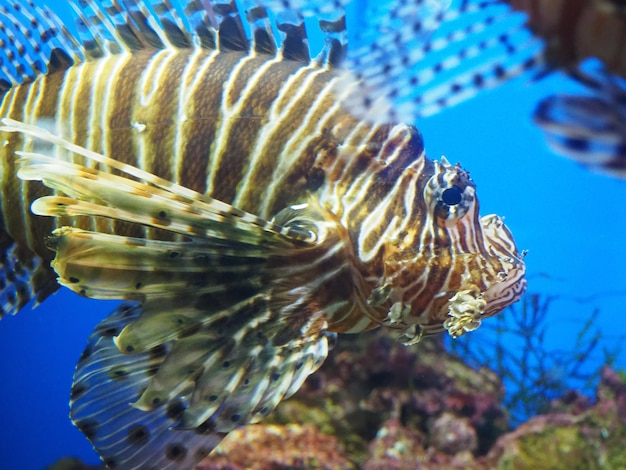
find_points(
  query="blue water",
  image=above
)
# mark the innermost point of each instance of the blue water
(571, 220)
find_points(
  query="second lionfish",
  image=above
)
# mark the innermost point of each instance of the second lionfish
(585, 39)
(246, 200)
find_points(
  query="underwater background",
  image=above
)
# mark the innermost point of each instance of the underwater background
(571, 220)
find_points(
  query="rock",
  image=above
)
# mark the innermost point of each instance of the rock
(378, 405)
(452, 435)
(585, 439)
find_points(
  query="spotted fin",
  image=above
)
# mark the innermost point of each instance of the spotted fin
(23, 277)
(106, 382)
(33, 41)
(240, 375)
(226, 321)
(424, 56)
(590, 127)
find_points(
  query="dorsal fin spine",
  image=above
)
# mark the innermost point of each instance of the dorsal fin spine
(263, 39)
(152, 23)
(91, 44)
(66, 41)
(101, 22)
(34, 33)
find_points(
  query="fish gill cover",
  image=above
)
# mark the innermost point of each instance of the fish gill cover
(463, 151)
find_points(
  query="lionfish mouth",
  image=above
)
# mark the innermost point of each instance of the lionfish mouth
(510, 282)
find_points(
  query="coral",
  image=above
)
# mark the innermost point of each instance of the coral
(397, 447)
(273, 447)
(588, 439)
(372, 388)
(452, 435)
(574, 434)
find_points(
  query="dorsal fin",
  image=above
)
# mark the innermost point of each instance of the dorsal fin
(336, 40)
(407, 58)
(28, 36)
(231, 34)
(106, 27)
(110, 27)
(262, 36)
(295, 43)
(421, 56)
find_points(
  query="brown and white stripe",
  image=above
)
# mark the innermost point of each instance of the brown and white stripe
(264, 133)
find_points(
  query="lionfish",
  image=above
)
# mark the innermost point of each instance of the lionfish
(590, 126)
(246, 200)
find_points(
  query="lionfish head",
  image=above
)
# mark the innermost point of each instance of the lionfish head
(458, 269)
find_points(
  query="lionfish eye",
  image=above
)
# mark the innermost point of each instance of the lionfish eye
(453, 202)
(451, 193)
(452, 196)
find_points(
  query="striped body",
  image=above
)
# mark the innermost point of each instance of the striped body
(256, 132)
(262, 134)
(248, 202)
(579, 29)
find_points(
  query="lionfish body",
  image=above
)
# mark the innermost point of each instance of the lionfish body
(248, 201)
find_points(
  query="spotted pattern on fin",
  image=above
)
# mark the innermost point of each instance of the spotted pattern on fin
(23, 277)
(32, 40)
(231, 321)
(107, 381)
(425, 56)
(231, 385)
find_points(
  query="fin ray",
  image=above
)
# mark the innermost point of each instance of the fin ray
(227, 324)
(436, 54)
(191, 390)
(178, 209)
(29, 35)
(105, 382)
(23, 277)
